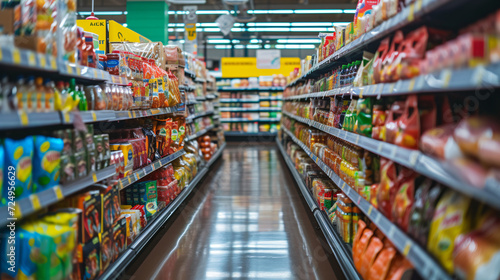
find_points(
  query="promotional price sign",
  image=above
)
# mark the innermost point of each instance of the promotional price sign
(190, 19)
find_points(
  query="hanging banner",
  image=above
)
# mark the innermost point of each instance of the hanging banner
(268, 59)
(120, 33)
(97, 27)
(225, 23)
(244, 67)
(190, 20)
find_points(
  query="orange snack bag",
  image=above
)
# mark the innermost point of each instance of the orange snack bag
(380, 267)
(359, 248)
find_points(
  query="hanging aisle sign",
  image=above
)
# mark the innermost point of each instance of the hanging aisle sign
(244, 67)
(190, 20)
(268, 59)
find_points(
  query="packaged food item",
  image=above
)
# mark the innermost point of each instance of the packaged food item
(469, 131)
(476, 254)
(381, 265)
(19, 153)
(451, 218)
(369, 256)
(359, 248)
(163, 130)
(107, 252)
(386, 190)
(119, 237)
(91, 255)
(46, 162)
(3, 170)
(439, 142)
(149, 198)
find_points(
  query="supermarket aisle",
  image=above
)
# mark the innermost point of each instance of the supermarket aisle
(247, 221)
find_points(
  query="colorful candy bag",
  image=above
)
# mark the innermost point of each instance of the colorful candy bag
(451, 218)
(19, 154)
(46, 162)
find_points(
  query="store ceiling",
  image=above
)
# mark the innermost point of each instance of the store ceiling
(271, 17)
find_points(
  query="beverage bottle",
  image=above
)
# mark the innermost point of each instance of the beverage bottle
(30, 94)
(342, 76)
(40, 95)
(16, 96)
(49, 95)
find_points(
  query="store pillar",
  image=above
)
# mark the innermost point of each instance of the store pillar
(149, 18)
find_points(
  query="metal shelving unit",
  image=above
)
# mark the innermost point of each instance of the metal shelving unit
(249, 134)
(242, 100)
(142, 172)
(31, 204)
(251, 89)
(199, 133)
(424, 263)
(341, 250)
(262, 109)
(198, 115)
(438, 170)
(118, 266)
(243, 120)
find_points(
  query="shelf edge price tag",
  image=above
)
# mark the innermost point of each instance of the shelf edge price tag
(413, 158)
(411, 86)
(67, 118)
(446, 77)
(411, 13)
(23, 116)
(69, 69)
(31, 59)
(407, 248)
(53, 64)
(94, 177)
(35, 202)
(370, 209)
(121, 184)
(94, 116)
(361, 90)
(58, 193)
(43, 61)
(129, 180)
(16, 56)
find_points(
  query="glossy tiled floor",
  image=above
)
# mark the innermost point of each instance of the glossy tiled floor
(246, 221)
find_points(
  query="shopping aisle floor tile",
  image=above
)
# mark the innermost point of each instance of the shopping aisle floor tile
(246, 221)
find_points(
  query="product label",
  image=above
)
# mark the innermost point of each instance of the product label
(175, 134)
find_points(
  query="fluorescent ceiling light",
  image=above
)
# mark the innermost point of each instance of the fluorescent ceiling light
(237, 29)
(125, 25)
(299, 41)
(308, 29)
(253, 46)
(312, 24)
(107, 13)
(210, 29)
(239, 46)
(281, 11)
(125, 13)
(235, 41)
(255, 41)
(297, 46)
(210, 12)
(216, 41)
(267, 46)
(349, 11)
(223, 46)
(275, 29)
(320, 11)
(268, 24)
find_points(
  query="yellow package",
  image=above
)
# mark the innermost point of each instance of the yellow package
(451, 219)
(128, 153)
(180, 176)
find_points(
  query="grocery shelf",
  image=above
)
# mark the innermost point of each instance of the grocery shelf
(199, 133)
(342, 251)
(251, 89)
(21, 120)
(424, 263)
(189, 73)
(190, 118)
(200, 80)
(298, 179)
(249, 134)
(211, 96)
(239, 100)
(134, 114)
(438, 170)
(261, 109)
(117, 267)
(236, 120)
(31, 204)
(140, 173)
(404, 19)
(201, 98)
(445, 80)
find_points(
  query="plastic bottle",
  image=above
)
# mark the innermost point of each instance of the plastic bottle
(72, 91)
(31, 94)
(40, 95)
(342, 76)
(17, 98)
(49, 95)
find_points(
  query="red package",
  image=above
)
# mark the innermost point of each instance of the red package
(391, 124)
(388, 185)
(409, 125)
(359, 247)
(470, 171)
(380, 56)
(404, 198)
(439, 142)
(369, 256)
(388, 64)
(489, 150)
(470, 131)
(382, 263)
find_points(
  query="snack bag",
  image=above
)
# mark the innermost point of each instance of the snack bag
(163, 129)
(369, 256)
(107, 252)
(387, 187)
(119, 237)
(19, 153)
(359, 247)
(475, 255)
(363, 118)
(382, 263)
(91, 253)
(46, 162)
(391, 128)
(451, 219)
(404, 200)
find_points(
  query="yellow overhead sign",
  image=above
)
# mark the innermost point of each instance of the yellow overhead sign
(244, 67)
(119, 33)
(95, 26)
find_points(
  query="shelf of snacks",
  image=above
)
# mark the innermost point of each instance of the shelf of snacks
(468, 79)
(200, 80)
(342, 250)
(135, 176)
(190, 118)
(42, 199)
(261, 109)
(116, 268)
(480, 187)
(211, 96)
(410, 249)
(233, 120)
(189, 73)
(199, 133)
(251, 89)
(249, 134)
(373, 29)
(248, 100)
